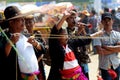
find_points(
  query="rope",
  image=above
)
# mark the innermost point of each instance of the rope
(71, 37)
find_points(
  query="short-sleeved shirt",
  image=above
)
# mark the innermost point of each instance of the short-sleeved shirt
(105, 61)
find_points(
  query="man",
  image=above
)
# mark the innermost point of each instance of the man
(93, 21)
(30, 23)
(116, 24)
(10, 67)
(84, 15)
(75, 29)
(20, 56)
(108, 48)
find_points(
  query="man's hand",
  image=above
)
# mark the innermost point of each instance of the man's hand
(66, 14)
(81, 28)
(112, 48)
(15, 37)
(32, 41)
(97, 34)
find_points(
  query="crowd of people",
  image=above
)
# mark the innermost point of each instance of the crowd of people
(22, 49)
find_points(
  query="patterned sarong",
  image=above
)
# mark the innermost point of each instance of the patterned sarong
(76, 75)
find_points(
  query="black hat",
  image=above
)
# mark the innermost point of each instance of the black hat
(11, 12)
(106, 15)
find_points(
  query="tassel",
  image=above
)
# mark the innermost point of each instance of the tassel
(99, 77)
(112, 73)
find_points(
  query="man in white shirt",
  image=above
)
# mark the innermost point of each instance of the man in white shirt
(27, 60)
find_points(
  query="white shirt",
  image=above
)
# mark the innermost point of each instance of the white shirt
(26, 56)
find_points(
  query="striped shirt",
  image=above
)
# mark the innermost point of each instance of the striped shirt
(70, 61)
(105, 61)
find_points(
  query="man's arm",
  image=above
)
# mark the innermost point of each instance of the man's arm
(8, 46)
(97, 34)
(81, 30)
(60, 23)
(113, 49)
(107, 49)
(101, 50)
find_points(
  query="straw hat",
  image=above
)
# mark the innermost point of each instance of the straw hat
(85, 12)
(29, 16)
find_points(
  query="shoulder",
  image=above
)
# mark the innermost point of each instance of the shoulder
(54, 30)
(116, 33)
(96, 42)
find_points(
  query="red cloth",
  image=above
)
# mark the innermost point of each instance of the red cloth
(112, 73)
(99, 78)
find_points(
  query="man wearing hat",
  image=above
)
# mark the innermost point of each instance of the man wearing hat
(75, 29)
(108, 48)
(20, 58)
(10, 70)
(84, 15)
